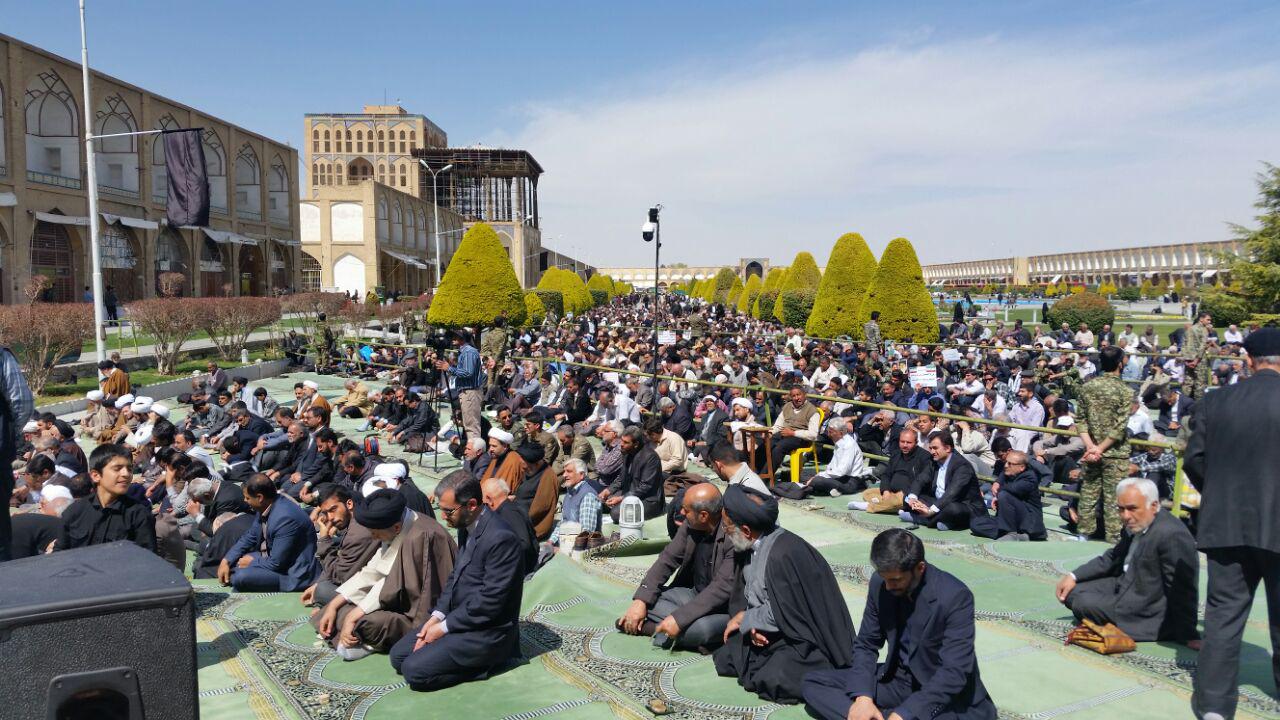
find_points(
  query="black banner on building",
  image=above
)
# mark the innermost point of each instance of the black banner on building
(188, 181)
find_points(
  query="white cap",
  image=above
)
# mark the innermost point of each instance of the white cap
(30, 427)
(140, 405)
(1066, 421)
(1066, 346)
(94, 395)
(64, 471)
(375, 483)
(124, 401)
(54, 492)
(311, 384)
(502, 436)
(393, 470)
(744, 402)
(160, 409)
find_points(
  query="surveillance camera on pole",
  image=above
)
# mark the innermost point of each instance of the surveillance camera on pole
(651, 233)
(647, 231)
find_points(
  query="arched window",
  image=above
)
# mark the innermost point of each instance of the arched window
(315, 142)
(248, 184)
(315, 173)
(278, 190)
(53, 148)
(383, 230)
(410, 222)
(422, 229)
(359, 141)
(160, 176)
(310, 273)
(348, 133)
(117, 157)
(381, 145)
(397, 224)
(215, 163)
(382, 173)
(404, 175)
(326, 141)
(3, 164)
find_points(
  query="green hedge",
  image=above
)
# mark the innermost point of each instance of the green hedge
(765, 304)
(478, 285)
(844, 284)
(898, 291)
(1130, 293)
(802, 275)
(552, 301)
(1083, 307)
(750, 291)
(535, 313)
(1224, 308)
(600, 297)
(796, 304)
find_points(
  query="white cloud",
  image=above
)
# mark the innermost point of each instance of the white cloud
(970, 149)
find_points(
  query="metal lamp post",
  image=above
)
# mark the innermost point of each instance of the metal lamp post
(435, 214)
(652, 231)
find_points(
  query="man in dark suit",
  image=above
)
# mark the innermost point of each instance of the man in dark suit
(422, 420)
(711, 431)
(950, 495)
(677, 419)
(1174, 409)
(925, 616)
(1147, 583)
(1231, 458)
(211, 497)
(278, 553)
(691, 608)
(315, 465)
(474, 626)
(641, 476)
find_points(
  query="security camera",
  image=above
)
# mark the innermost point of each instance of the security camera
(647, 231)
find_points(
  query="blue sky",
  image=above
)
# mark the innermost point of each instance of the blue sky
(974, 129)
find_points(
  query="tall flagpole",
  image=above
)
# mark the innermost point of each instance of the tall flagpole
(91, 175)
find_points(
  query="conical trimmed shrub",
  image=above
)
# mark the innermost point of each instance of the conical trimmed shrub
(803, 275)
(535, 313)
(478, 285)
(747, 298)
(849, 271)
(899, 293)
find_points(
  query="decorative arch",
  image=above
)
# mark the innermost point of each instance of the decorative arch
(52, 133)
(410, 223)
(215, 164)
(213, 269)
(312, 273)
(359, 169)
(248, 183)
(278, 266)
(422, 229)
(397, 224)
(253, 269)
(117, 157)
(384, 230)
(159, 175)
(349, 274)
(119, 256)
(53, 253)
(172, 255)
(278, 190)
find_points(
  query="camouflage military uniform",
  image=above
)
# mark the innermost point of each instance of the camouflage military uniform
(493, 344)
(871, 332)
(1195, 380)
(1104, 413)
(697, 326)
(1070, 384)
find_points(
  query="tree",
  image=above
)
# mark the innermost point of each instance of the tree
(1082, 307)
(601, 282)
(1129, 293)
(479, 284)
(898, 292)
(723, 285)
(1257, 269)
(747, 298)
(802, 275)
(170, 322)
(229, 321)
(552, 301)
(40, 334)
(1147, 290)
(843, 286)
(535, 313)
(1225, 307)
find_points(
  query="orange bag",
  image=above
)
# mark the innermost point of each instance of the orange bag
(1102, 639)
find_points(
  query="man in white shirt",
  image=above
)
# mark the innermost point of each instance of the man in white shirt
(1084, 337)
(185, 441)
(846, 474)
(1233, 335)
(970, 387)
(1027, 410)
(823, 374)
(1139, 424)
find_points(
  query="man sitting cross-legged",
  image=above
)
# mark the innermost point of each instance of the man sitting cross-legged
(790, 617)
(397, 587)
(692, 609)
(1147, 583)
(925, 616)
(278, 553)
(474, 627)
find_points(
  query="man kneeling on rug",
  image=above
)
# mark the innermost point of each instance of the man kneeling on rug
(925, 616)
(474, 627)
(397, 587)
(791, 618)
(1147, 584)
(693, 609)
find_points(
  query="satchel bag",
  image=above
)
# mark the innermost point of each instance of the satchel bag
(1102, 639)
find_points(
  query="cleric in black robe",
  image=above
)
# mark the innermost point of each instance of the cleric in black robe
(788, 616)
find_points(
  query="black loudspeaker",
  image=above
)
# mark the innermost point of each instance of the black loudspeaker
(104, 632)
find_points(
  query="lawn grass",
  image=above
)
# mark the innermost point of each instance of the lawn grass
(57, 392)
(117, 340)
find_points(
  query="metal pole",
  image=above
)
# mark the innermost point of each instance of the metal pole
(657, 250)
(435, 216)
(91, 176)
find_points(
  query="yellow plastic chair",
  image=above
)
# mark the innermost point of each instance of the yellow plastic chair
(797, 456)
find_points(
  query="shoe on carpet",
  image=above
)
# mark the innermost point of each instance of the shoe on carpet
(835, 492)
(905, 516)
(858, 504)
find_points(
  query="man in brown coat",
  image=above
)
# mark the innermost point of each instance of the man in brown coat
(396, 590)
(504, 463)
(343, 545)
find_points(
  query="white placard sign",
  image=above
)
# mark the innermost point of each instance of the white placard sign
(951, 355)
(926, 375)
(666, 337)
(784, 363)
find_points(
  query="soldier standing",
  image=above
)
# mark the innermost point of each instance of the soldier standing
(697, 325)
(871, 331)
(1194, 355)
(493, 345)
(1102, 422)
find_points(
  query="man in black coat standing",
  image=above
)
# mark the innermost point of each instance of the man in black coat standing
(925, 616)
(1147, 583)
(474, 626)
(1233, 459)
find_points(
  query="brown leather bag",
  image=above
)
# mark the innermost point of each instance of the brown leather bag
(1102, 639)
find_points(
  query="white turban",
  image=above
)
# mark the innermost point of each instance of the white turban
(160, 409)
(375, 483)
(393, 470)
(64, 471)
(743, 402)
(502, 436)
(30, 427)
(140, 405)
(55, 492)
(311, 384)
(123, 401)
(94, 395)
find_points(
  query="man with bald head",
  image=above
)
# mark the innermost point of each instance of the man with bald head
(907, 463)
(684, 598)
(496, 494)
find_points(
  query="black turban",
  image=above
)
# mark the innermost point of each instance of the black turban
(743, 507)
(381, 509)
(531, 452)
(1263, 342)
